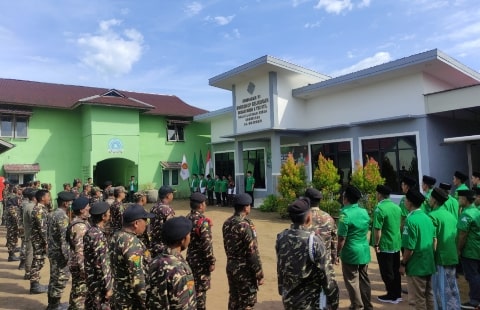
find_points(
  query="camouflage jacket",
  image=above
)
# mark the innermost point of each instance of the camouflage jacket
(58, 248)
(240, 243)
(200, 249)
(39, 227)
(129, 260)
(301, 270)
(324, 226)
(75, 232)
(14, 211)
(171, 283)
(27, 219)
(97, 262)
(162, 213)
(116, 216)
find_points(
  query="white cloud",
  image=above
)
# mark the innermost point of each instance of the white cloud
(235, 34)
(377, 59)
(296, 3)
(334, 6)
(193, 8)
(312, 25)
(110, 52)
(338, 6)
(221, 20)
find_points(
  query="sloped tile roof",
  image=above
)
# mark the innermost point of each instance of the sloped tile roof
(61, 96)
(24, 168)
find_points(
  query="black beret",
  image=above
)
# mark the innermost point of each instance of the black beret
(135, 212)
(383, 189)
(429, 180)
(409, 181)
(299, 206)
(164, 191)
(197, 197)
(66, 196)
(466, 193)
(476, 189)
(242, 200)
(439, 195)
(352, 193)
(80, 203)
(176, 228)
(445, 186)
(462, 177)
(415, 197)
(99, 207)
(476, 174)
(313, 194)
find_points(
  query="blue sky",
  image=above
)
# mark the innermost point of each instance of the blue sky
(174, 47)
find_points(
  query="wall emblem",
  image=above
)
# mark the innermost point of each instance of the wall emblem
(250, 88)
(115, 146)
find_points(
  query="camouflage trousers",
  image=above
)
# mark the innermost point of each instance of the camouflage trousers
(27, 251)
(202, 277)
(59, 276)
(12, 237)
(78, 293)
(242, 289)
(37, 265)
(96, 300)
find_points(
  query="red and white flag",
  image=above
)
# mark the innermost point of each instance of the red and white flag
(208, 163)
(184, 172)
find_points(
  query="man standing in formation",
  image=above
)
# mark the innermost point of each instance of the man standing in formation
(250, 186)
(27, 226)
(451, 204)
(58, 249)
(171, 281)
(200, 250)
(354, 249)
(130, 259)
(444, 282)
(210, 189)
(162, 212)
(468, 246)
(301, 268)
(116, 210)
(418, 239)
(39, 240)
(12, 217)
(459, 179)
(132, 188)
(97, 259)
(386, 240)
(244, 268)
(75, 232)
(428, 183)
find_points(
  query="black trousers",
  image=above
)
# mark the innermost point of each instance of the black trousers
(389, 264)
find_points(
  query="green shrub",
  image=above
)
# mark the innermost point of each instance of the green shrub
(270, 204)
(282, 207)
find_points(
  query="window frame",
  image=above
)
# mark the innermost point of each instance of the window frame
(169, 173)
(311, 143)
(176, 128)
(13, 126)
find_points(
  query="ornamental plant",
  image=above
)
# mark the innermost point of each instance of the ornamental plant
(292, 183)
(366, 178)
(327, 180)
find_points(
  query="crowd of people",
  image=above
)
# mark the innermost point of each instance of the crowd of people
(119, 256)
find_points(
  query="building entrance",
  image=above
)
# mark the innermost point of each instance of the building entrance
(116, 170)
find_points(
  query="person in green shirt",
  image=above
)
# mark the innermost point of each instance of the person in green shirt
(353, 249)
(218, 190)
(202, 184)
(406, 184)
(475, 179)
(250, 185)
(476, 202)
(418, 262)
(210, 189)
(223, 190)
(459, 180)
(194, 184)
(428, 183)
(468, 246)
(451, 204)
(444, 282)
(385, 239)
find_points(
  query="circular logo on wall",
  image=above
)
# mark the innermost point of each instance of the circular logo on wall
(115, 145)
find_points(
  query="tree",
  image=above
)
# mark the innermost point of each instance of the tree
(366, 178)
(292, 183)
(326, 179)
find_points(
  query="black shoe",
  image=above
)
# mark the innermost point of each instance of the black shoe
(21, 266)
(36, 288)
(388, 299)
(468, 305)
(26, 277)
(404, 291)
(17, 250)
(13, 258)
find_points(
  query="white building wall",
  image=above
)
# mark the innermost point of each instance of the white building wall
(383, 100)
(289, 110)
(221, 126)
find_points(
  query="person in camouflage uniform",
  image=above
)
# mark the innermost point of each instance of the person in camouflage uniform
(171, 281)
(244, 268)
(75, 232)
(116, 211)
(97, 259)
(58, 249)
(324, 226)
(140, 198)
(130, 259)
(301, 269)
(29, 193)
(21, 229)
(12, 217)
(162, 212)
(200, 250)
(39, 239)
(96, 195)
